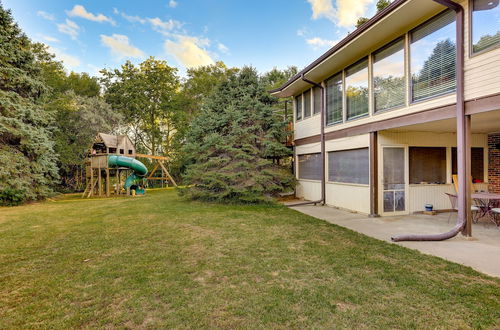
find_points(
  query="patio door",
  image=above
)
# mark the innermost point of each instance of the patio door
(394, 180)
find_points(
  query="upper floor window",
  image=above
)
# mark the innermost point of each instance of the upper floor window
(389, 86)
(298, 107)
(356, 81)
(485, 24)
(334, 99)
(307, 103)
(432, 54)
(317, 100)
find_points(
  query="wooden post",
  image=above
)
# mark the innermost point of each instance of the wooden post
(91, 181)
(99, 178)
(374, 174)
(162, 175)
(117, 187)
(108, 183)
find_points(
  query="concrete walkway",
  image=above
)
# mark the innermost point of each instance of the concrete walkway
(481, 252)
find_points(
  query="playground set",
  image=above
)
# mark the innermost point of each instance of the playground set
(112, 157)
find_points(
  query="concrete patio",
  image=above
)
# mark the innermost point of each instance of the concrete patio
(481, 252)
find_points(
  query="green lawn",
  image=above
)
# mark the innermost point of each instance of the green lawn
(158, 261)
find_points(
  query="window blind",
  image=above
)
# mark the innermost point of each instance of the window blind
(389, 86)
(433, 53)
(317, 100)
(356, 81)
(427, 165)
(298, 107)
(334, 99)
(310, 166)
(307, 103)
(349, 166)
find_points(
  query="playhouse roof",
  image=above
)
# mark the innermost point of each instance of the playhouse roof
(112, 141)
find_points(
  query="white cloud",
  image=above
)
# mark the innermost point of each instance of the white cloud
(69, 27)
(317, 42)
(164, 27)
(345, 14)
(120, 46)
(172, 3)
(222, 48)
(46, 15)
(134, 19)
(189, 51)
(49, 38)
(71, 62)
(80, 11)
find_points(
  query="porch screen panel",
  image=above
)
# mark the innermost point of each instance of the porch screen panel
(477, 163)
(349, 166)
(310, 166)
(307, 104)
(298, 107)
(389, 76)
(427, 165)
(356, 82)
(317, 100)
(432, 54)
(485, 24)
(334, 99)
(394, 179)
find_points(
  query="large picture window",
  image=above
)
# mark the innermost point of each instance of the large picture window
(432, 54)
(485, 24)
(307, 103)
(477, 163)
(389, 76)
(349, 166)
(298, 107)
(334, 99)
(356, 81)
(310, 166)
(427, 165)
(317, 100)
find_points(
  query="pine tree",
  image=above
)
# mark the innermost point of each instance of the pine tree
(231, 145)
(27, 161)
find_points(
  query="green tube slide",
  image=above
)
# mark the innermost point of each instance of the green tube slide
(139, 168)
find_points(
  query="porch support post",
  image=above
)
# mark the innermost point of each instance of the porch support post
(464, 172)
(374, 174)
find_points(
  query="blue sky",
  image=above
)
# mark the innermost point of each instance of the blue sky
(90, 35)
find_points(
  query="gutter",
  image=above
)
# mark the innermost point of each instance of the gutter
(351, 36)
(322, 134)
(462, 140)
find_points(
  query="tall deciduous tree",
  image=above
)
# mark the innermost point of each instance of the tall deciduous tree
(231, 144)
(27, 159)
(147, 96)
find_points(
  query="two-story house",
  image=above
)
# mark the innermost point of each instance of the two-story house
(409, 99)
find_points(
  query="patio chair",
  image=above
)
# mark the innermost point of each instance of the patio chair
(495, 213)
(454, 202)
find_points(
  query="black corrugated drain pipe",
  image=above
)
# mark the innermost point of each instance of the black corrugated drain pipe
(459, 67)
(322, 134)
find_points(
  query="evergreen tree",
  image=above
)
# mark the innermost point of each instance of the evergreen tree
(27, 159)
(232, 143)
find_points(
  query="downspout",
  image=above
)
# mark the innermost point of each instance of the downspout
(463, 208)
(322, 134)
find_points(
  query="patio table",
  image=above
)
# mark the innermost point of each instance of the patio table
(486, 202)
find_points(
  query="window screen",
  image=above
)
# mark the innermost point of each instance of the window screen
(310, 166)
(432, 56)
(349, 166)
(389, 76)
(317, 100)
(307, 104)
(477, 163)
(356, 81)
(485, 24)
(298, 107)
(334, 99)
(427, 165)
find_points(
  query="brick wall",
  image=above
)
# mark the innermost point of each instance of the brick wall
(494, 162)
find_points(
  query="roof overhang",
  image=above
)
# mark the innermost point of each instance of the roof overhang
(386, 25)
